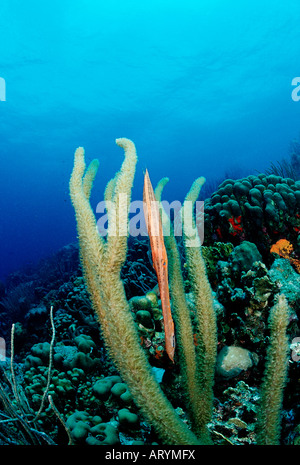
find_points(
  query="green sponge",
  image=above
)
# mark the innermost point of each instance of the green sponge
(85, 343)
(103, 386)
(121, 390)
(127, 418)
(103, 434)
(78, 425)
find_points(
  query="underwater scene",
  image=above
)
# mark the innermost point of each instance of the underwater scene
(150, 220)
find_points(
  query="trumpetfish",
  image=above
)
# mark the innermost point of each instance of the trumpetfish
(160, 260)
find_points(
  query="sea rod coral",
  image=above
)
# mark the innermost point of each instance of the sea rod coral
(102, 262)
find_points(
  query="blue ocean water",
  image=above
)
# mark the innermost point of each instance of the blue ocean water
(201, 87)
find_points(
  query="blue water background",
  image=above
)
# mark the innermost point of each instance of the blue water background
(201, 87)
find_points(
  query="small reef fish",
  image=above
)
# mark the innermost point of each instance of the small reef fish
(160, 260)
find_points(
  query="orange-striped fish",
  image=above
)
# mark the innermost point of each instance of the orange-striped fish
(160, 260)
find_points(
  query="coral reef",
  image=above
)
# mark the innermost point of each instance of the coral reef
(260, 209)
(71, 390)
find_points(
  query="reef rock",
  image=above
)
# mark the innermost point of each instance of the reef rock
(232, 360)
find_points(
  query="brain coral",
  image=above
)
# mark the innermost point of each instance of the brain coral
(260, 209)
